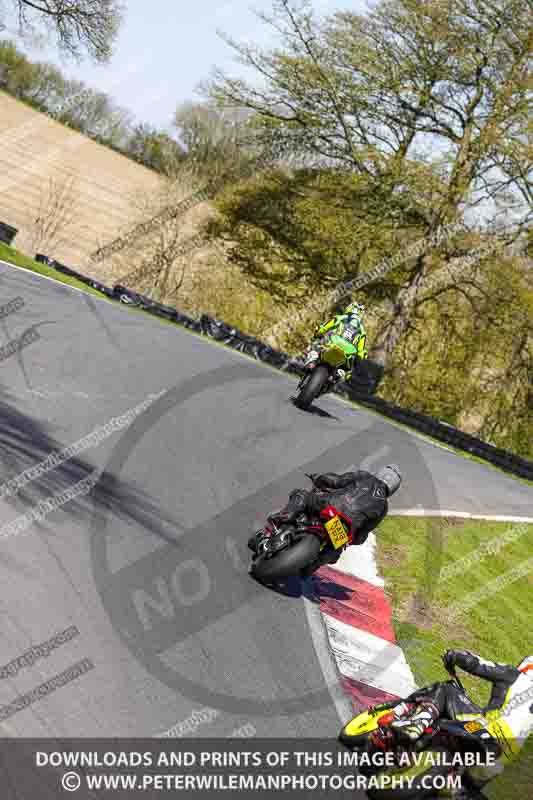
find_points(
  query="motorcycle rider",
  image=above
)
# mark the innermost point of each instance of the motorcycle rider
(508, 716)
(350, 326)
(361, 496)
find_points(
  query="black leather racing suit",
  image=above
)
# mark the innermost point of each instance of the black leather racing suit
(447, 700)
(452, 703)
(359, 495)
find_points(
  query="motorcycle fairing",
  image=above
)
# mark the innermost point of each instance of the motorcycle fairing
(336, 351)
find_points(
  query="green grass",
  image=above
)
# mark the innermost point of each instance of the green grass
(13, 256)
(412, 552)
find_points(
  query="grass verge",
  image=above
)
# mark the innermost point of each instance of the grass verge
(13, 256)
(439, 575)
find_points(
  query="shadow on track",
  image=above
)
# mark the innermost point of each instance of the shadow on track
(288, 587)
(25, 442)
(316, 411)
(292, 587)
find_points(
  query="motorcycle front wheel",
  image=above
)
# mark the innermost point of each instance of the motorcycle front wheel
(287, 562)
(312, 387)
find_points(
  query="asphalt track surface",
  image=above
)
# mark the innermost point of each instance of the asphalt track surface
(152, 566)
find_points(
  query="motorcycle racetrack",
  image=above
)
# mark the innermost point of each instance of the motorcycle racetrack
(146, 565)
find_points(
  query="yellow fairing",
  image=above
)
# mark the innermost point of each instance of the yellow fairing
(506, 739)
(495, 724)
(364, 723)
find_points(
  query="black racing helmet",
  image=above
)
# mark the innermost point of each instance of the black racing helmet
(391, 477)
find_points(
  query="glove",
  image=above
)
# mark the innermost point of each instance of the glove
(448, 659)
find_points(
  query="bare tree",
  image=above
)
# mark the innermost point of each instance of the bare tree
(163, 263)
(57, 209)
(79, 26)
(152, 257)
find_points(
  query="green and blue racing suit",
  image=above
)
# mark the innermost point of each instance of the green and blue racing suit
(350, 327)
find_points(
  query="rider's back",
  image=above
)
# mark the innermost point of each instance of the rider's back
(359, 495)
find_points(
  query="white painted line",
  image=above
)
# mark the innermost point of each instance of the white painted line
(424, 512)
(319, 637)
(38, 275)
(368, 659)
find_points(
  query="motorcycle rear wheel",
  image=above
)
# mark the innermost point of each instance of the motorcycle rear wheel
(287, 562)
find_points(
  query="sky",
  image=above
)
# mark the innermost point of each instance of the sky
(164, 50)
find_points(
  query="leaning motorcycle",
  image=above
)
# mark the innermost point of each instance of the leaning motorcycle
(324, 368)
(413, 776)
(294, 549)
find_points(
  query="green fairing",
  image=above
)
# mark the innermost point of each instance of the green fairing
(337, 343)
(344, 344)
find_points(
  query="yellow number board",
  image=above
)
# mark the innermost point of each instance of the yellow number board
(337, 532)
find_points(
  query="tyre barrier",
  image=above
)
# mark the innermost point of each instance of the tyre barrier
(361, 388)
(7, 233)
(73, 274)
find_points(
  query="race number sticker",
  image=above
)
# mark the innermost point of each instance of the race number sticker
(472, 727)
(349, 333)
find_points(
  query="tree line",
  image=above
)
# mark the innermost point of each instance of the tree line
(90, 111)
(208, 140)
